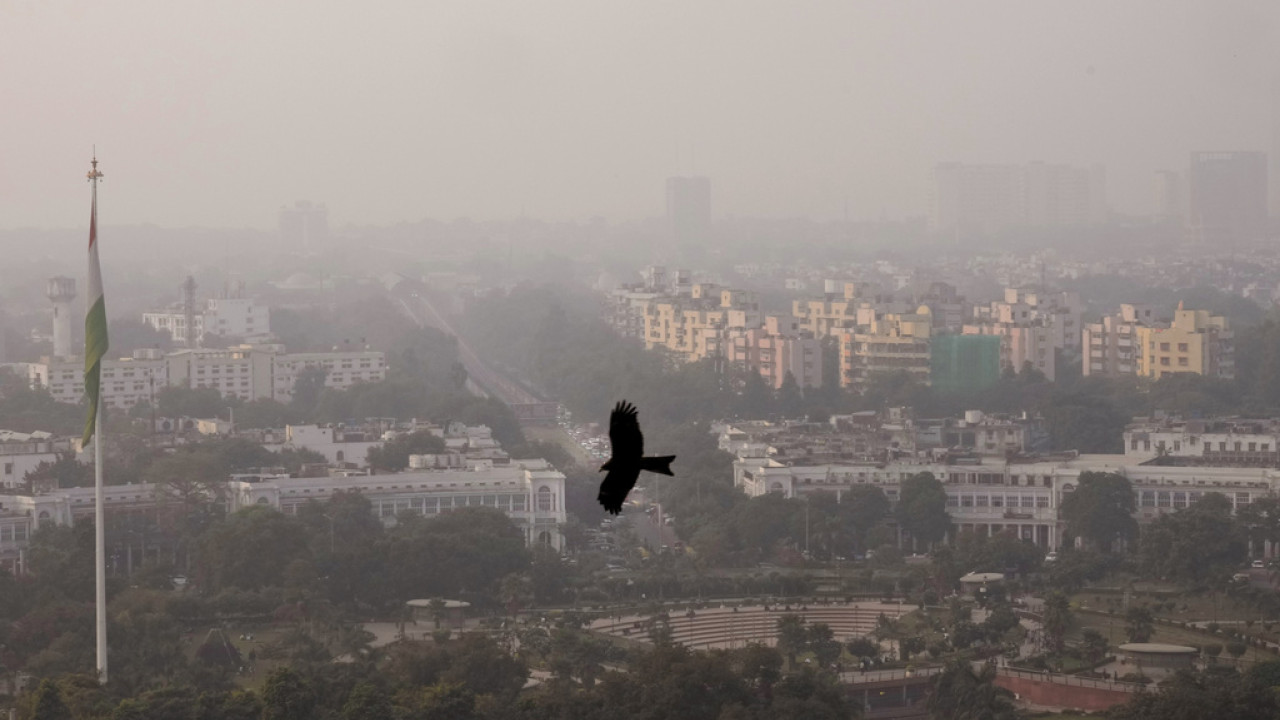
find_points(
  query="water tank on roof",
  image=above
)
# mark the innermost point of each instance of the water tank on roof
(973, 417)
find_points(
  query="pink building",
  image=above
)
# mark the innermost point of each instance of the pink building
(775, 349)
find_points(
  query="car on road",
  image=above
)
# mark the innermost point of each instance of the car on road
(1051, 557)
(1259, 564)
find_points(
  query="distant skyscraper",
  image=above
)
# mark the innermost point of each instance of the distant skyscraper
(305, 226)
(1228, 196)
(1274, 188)
(982, 199)
(1170, 197)
(689, 208)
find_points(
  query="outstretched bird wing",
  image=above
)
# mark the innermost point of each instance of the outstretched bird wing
(624, 433)
(624, 466)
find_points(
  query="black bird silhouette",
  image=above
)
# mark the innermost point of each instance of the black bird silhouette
(628, 458)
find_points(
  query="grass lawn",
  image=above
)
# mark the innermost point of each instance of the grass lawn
(262, 636)
(1112, 628)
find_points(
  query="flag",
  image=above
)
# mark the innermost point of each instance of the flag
(95, 328)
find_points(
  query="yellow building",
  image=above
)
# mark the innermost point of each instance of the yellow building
(694, 328)
(1196, 342)
(856, 304)
(891, 342)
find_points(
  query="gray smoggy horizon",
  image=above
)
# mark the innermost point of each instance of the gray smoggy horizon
(217, 115)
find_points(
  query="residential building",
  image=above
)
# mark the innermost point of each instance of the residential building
(689, 209)
(1218, 442)
(248, 372)
(305, 226)
(776, 349)
(847, 305)
(1197, 342)
(342, 370)
(627, 303)
(20, 453)
(986, 199)
(964, 363)
(1021, 346)
(890, 343)
(696, 327)
(235, 317)
(1111, 346)
(1228, 196)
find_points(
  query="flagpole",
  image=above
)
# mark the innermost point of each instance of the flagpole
(99, 520)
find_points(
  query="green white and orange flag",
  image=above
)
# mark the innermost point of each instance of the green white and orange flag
(95, 327)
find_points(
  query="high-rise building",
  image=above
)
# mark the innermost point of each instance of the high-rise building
(689, 208)
(1274, 157)
(305, 226)
(1228, 196)
(984, 199)
(1170, 197)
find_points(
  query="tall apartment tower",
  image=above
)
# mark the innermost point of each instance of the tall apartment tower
(305, 226)
(61, 291)
(1170, 197)
(689, 208)
(1274, 157)
(1228, 196)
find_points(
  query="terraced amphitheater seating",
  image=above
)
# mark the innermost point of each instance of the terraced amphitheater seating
(725, 627)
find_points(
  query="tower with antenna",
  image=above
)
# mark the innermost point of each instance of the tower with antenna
(61, 291)
(189, 309)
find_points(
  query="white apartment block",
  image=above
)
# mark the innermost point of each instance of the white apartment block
(227, 317)
(248, 372)
(342, 370)
(530, 492)
(20, 453)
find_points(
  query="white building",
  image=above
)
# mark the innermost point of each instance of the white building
(342, 370)
(530, 492)
(226, 317)
(20, 453)
(337, 445)
(989, 495)
(248, 372)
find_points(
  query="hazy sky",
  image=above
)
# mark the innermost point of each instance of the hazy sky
(217, 112)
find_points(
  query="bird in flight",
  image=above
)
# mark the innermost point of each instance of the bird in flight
(628, 458)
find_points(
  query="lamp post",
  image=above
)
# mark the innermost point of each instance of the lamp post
(331, 543)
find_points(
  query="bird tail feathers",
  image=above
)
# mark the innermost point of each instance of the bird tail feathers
(660, 465)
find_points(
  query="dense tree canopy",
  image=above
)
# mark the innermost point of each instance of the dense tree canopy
(1100, 510)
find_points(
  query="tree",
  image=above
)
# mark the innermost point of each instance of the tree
(48, 703)
(1093, 644)
(1100, 510)
(367, 702)
(922, 509)
(792, 637)
(961, 693)
(1201, 545)
(251, 549)
(1139, 625)
(868, 507)
(1057, 620)
(393, 456)
(286, 696)
(826, 649)
(1209, 694)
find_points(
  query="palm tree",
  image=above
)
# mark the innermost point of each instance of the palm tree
(961, 693)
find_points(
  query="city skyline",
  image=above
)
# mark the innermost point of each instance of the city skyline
(570, 112)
